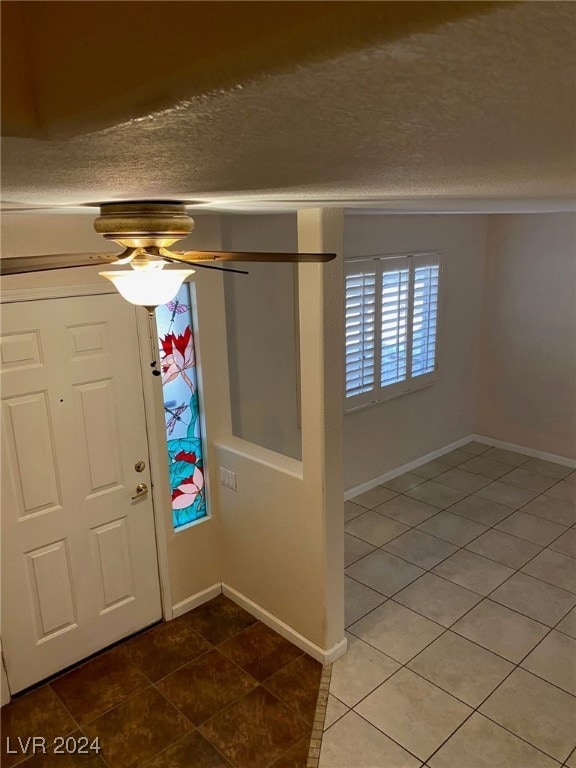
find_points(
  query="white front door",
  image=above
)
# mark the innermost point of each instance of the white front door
(79, 559)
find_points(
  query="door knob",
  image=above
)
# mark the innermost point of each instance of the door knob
(141, 490)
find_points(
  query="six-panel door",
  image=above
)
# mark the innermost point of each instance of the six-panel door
(79, 560)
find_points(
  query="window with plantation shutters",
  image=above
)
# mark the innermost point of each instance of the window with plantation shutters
(391, 324)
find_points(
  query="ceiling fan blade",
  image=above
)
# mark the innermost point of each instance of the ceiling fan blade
(176, 260)
(192, 256)
(22, 264)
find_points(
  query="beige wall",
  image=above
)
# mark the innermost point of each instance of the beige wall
(262, 335)
(261, 342)
(383, 437)
(31, 234)
(282, 530)
(527, 383)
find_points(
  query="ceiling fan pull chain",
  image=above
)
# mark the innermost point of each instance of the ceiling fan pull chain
(152, 336)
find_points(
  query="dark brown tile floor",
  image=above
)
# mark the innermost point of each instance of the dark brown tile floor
(213, 689)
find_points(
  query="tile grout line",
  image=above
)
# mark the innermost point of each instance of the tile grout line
(440, 576)
(257, 683)
(472, 493)
(483, 597)
(153, 685)
(458, 549)
(150, 683)
(513, 511)
(430, 682)
(517, 665)
(80, 726)
(235, 701)
(440, 509)
(459, 546)
(151, 759)
(450, 629)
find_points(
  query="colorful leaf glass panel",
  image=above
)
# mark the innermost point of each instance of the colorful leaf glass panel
(181, 409)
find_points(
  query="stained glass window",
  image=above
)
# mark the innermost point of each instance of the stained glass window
(182, 409)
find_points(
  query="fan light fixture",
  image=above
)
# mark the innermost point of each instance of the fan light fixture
(146, 230)
(148, 287)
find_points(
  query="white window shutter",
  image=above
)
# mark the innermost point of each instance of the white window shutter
(424, 319)
(394, 326)
(360, 332)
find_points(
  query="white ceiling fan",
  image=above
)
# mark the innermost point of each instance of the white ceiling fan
(147, 230)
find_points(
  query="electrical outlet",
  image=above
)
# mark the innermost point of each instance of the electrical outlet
(458, 417)
(228, 478)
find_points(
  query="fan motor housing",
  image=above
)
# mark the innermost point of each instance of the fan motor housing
(141, 224)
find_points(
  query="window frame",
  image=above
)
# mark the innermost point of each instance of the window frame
(378, 264)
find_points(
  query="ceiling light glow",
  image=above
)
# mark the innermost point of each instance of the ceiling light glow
(148, 288)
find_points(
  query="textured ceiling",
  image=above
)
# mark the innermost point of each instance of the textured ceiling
(422, 106)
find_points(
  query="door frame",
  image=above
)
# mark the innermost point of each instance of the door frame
(153, 413)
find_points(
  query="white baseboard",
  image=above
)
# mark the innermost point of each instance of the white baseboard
(324, 656)
(368, 485)
(195, 600)
(566, 462)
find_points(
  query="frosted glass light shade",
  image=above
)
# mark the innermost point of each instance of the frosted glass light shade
(148, 288)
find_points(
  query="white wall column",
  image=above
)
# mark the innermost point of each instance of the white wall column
(321, 314)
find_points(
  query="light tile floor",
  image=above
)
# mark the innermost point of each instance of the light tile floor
(461, 618)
